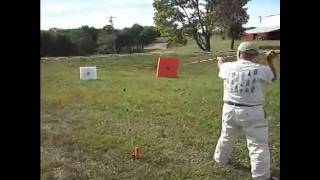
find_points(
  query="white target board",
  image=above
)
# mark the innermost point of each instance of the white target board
(87, 73)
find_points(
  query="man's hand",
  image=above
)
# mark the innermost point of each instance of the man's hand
(270, 55)
(220, 61)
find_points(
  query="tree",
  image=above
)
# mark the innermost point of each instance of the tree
(148, 35)
(104, 42)
(124, 41)
(234, 31)
(231, 16)
(135, 34)
(55, 43)
(64, 46)
(88, 40)
(178, 18)
(85, 39)
(46, 43)
(85, 44)
(108, 28)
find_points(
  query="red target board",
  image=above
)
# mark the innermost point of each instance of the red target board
(167, 67)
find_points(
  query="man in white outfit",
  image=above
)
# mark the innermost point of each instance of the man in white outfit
(243, 109)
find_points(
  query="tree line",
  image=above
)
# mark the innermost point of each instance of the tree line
(89, 40)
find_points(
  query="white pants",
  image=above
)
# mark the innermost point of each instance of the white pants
(253, 122)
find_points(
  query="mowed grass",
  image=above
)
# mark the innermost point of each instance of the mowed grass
(88, 128)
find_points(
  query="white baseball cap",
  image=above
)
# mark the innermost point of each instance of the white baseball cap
(248, 47)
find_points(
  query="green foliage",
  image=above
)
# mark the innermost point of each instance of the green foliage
(134, 39)
(104, 42)
(178, 40)
(125, 41)
(56, 44)
(231, 16)
(149, 34)
(89, 40)
(179, 18)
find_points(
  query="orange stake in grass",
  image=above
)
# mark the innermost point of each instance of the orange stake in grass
(136, 153)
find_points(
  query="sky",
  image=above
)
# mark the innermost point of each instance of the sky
(67, 14)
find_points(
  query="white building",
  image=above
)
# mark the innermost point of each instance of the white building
(269, 28)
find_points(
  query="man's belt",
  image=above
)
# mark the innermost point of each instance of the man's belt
(244, 105)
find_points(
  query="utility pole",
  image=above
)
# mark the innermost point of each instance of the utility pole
(113, 35)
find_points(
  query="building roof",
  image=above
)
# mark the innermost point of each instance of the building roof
(271, 20)
(263, 29)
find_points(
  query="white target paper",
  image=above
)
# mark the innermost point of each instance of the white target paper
(87, 73)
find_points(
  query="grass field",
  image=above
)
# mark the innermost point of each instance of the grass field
(88, 128)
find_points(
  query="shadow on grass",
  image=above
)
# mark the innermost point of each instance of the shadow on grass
(236, 165)
(239, 166)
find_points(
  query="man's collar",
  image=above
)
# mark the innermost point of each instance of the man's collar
(244, 60)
